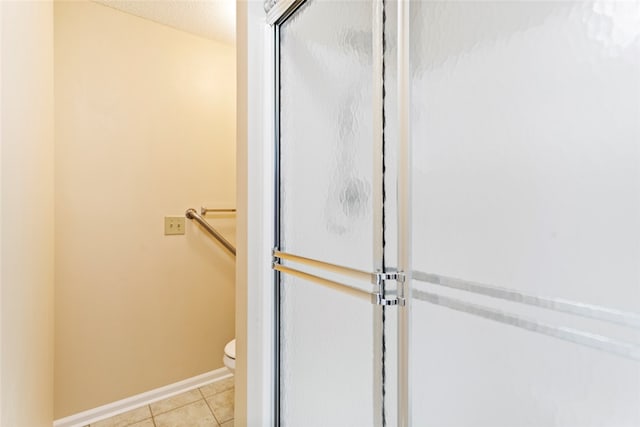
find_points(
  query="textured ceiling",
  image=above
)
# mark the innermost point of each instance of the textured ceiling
(213, 19)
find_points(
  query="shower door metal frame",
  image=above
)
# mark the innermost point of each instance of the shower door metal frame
(278, 11)
(277, 14)
(404, 216)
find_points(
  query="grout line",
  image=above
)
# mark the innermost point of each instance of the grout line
(211, 410)
(135, 422)
(153, 420)
(206, 402)
(223, 391)
(217, 393)
(177, 407)
(153, 416)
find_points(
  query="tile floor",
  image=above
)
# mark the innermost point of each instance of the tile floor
(207, 406)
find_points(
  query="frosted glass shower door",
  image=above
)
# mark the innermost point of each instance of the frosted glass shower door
(330, 332)
(525, 138)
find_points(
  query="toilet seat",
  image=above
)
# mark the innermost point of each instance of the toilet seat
(229, 358)
(230, 349)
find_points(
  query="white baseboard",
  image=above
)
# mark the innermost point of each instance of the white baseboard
(124, 405)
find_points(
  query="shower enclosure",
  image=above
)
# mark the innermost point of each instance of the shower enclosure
(458, 213)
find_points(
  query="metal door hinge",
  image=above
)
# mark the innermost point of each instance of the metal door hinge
(378, 300)
(379, 278)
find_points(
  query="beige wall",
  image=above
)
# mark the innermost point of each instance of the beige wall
(27, 260)
(145, 127)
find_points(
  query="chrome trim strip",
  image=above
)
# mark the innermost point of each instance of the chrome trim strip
(598, 342)
(564, 306)
(404, 216)
(281, 10)
(277, 224)
(345, 271)
(341, 287)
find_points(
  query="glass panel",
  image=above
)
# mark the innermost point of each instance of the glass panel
(327, 345)
(525, 126)
(327, 355)
(326, 133)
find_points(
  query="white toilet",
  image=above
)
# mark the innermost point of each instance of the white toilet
(229, 358)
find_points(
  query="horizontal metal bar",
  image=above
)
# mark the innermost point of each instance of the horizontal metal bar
(192, 214)
(341, 287)
(345, 271)
(205, 210)
(584, 310)
(609, 345)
